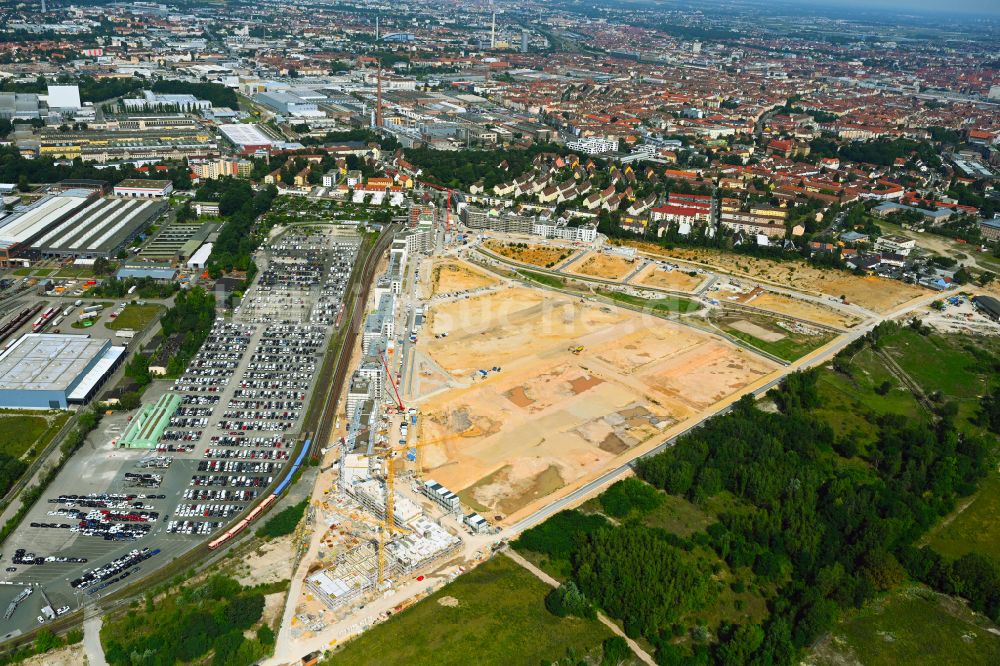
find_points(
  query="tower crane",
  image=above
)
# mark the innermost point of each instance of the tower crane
(392, 382)
(448, 191)
(388, 523)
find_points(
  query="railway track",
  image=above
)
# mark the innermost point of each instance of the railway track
(358, 291)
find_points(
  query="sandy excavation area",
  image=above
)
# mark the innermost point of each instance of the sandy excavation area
(800, 309)
(549, 417)
(604, 266)
(449, 277)
(874, 293)
(654, 275)
(545, 256)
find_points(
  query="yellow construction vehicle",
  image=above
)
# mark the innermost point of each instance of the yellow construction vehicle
(576, 349)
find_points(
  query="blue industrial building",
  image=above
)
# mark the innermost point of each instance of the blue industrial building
(53, 371)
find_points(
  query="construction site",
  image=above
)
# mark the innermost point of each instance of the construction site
(376, 526)
(526, 392)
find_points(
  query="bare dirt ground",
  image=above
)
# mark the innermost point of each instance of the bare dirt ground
(71, 655)
(268, 563)
(549, 417)
(877, 294)
(757, 331)
(545, 256)
(800, 309)
(453, 276)
(677, 280)
(604, 266)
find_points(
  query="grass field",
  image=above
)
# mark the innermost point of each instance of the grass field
(135, 317)
(75, 272)
(791, 347)
(44, 272)
(494, 614)
(542, 278)
(912, 626)
(941, 363)
(655, 305)
(974, 527)
(679, 516)
(19, 432)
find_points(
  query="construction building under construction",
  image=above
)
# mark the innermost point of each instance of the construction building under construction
(370, 494)
(353, 574)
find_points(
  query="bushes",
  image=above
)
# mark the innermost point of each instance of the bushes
(615, 651)
(187, 626)
(44, 641)
(191, 316)
(284, 521)
(558, 536)
(568, 600)
(630, 497)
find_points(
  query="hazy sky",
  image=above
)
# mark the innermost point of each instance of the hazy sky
(964, 6)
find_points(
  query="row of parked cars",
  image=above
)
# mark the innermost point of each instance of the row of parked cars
(201, 528)
(114, 570)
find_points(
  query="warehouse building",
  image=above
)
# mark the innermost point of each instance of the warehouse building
(53, 371)
(289, 103)
(247, 139)
(100, 229)
(988, 305)
(25, 224)
(144, 189)
(199, 259)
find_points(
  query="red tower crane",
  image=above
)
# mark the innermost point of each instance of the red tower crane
(447, 204)
(392, 382)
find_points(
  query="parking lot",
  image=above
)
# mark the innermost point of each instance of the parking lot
(242, 402)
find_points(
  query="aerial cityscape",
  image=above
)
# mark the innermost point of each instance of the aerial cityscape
(464, 332)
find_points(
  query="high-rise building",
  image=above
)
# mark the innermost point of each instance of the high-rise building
(524, 40)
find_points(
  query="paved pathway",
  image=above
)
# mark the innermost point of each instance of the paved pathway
(92, 641)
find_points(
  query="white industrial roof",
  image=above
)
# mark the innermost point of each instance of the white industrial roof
(47, 361)
(64, 97)
(96, 374)
(200, 256)
(245, 135)
(93, 227)
(22, 225)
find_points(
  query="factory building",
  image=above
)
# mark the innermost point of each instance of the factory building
(53, 371)
(19, 106)
(100, 229)
(144, 189)
(289, 103)
(247, 139)
(127, 144)
(25, 223)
